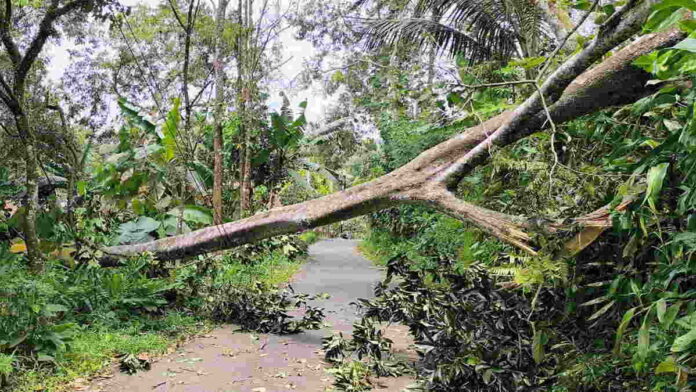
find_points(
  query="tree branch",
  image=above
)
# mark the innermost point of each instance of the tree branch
(46, 29)
(176, 14)
(7, 40)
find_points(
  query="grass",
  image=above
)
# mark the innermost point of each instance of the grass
(272, 269)
(379, 247)
(93, 350)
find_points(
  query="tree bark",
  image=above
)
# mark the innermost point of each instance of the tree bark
(219, 102)
(245, 191)
(31, 203)
(188, 30)
(570, 92)
(245, 99)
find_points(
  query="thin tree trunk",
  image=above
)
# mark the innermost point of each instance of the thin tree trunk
(187, 54)
(570, 92)
(31, 205)
(245, 204)
(245, 100)
(219, 102)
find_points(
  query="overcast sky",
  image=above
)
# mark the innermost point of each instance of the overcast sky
(296, 52)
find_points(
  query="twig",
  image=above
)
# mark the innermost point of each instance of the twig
(142, 71)
(553, 135)
(176, 14)
(547, 63)
(499, 84)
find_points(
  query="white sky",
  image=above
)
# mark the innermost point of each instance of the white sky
(295, 51)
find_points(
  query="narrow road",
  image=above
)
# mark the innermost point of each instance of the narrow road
(232, 361)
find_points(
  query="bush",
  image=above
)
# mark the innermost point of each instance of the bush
(41, 314)
(309, 237)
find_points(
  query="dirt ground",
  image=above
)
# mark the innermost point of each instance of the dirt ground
(227, 360)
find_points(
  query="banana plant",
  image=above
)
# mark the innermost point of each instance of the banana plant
(146, 171)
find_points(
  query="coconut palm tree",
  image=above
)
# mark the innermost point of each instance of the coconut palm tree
(478, 30)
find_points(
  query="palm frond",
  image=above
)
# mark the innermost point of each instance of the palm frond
(448, 40)
(490, 21)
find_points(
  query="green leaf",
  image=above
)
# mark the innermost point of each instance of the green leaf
(688, 321)
(81, 188)
(193, 214)
(627, 317)
(688, 26)
(135, 117)
(666, 366)
(688, 44)
(644, 338)
(137, 231)
(171, 226)
(6, 364)
(17, 341)
(144, 152)
(52, 309)
(682, 343)
(601, 311)
(538, 347)
(170, 130)
(655, 179)
(42, 357)
(670, 315)
(204, 174)
(662, 18)
(690, 4)
(595, 301)
(661, 307)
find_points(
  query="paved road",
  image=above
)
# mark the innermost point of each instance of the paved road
(336, 268)
(228, 361)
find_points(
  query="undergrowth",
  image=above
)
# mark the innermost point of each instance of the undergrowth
(74, 323)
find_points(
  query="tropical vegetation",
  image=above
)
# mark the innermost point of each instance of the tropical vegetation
(523, 172)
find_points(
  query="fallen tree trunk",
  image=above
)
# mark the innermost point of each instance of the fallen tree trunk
(570, 92)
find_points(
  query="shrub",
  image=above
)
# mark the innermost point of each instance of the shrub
(309, 237)
(41, 314)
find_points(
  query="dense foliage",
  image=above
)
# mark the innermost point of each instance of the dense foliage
(618, 316)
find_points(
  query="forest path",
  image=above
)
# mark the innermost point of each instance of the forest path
(229, 361)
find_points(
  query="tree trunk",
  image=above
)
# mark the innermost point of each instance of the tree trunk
(244, 98)
(219, 102)
(570, 92)
(188, 30)
(31, 204)
(245, 190)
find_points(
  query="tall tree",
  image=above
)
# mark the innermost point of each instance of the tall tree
(255, 38)
(244, 103)
(13, 94)
(219, 70)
